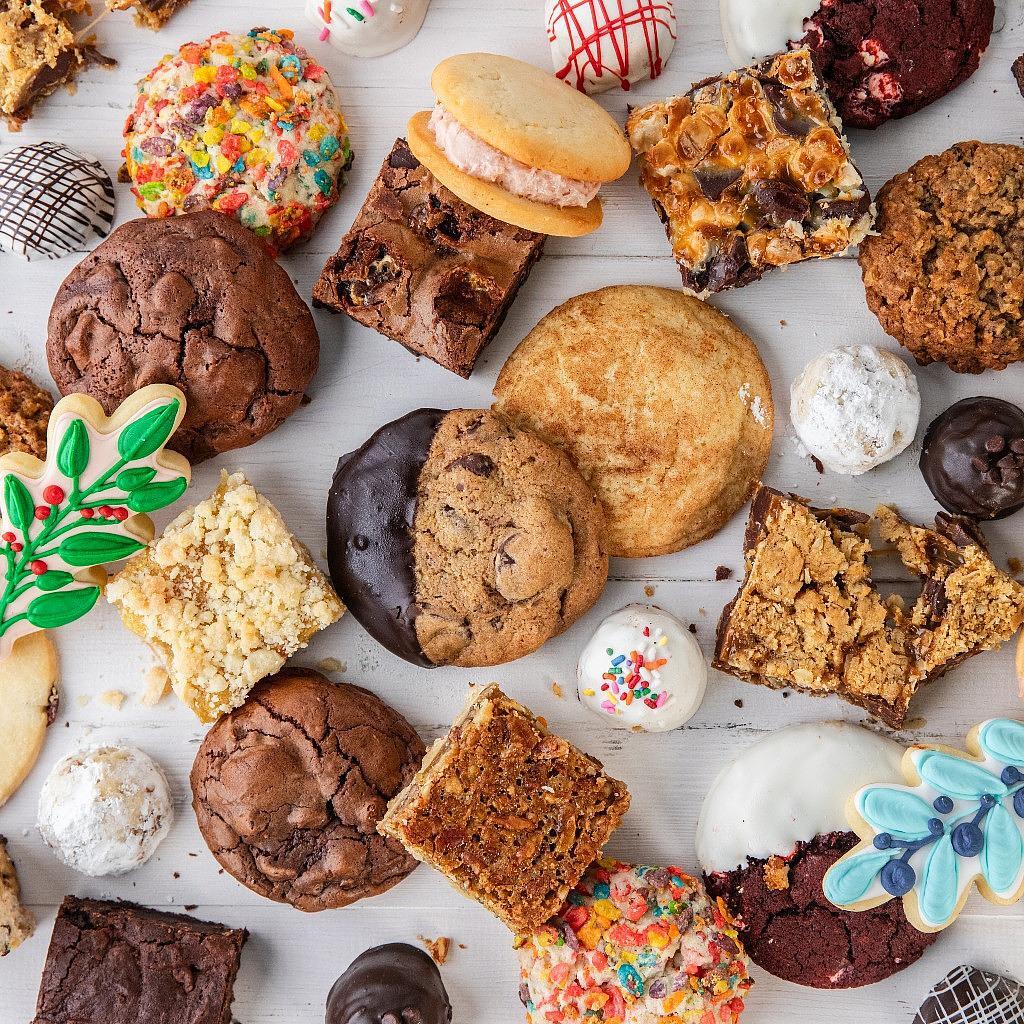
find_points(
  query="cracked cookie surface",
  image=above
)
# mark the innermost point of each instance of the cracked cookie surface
(288, 790)
(506, 548)
(197, 302)
(943, 274)
(790, 929)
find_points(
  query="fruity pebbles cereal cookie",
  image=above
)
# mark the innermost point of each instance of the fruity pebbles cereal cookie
(634, 945)
(249, 125)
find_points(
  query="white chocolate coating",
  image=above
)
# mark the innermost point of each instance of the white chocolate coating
(855, 408)
(367, 28)
(788, 788)
(668, 683)
(104, 810)
(758, 28)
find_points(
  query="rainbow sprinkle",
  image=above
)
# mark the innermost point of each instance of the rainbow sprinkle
(635, 675)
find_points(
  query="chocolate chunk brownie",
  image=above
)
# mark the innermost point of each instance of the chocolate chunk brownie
(883, 59)
(24, 414)
(119, 963)
(458, 539)
(943, 272)
(423, 268)
(750, 171)
(288, 790)
(790, 929)
(193, 301)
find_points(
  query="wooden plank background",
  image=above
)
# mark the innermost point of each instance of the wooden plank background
(364, 381)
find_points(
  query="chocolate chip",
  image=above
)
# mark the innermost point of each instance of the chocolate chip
(838, 208)
(995, 445)
(778, 202)
(476, 463)
(979, 464)
(1017, 447)
(401, 156)
(1006, 463)
(726, 267)
(787, 118)
(714, 181)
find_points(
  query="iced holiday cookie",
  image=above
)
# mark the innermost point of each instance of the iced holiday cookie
(249, 125)
(771, 824)
(367, 28)
(642, 670)
(104, 810)
(597, 46)
(506, 138)
(62, 521)
(958, 822)
(635, 944)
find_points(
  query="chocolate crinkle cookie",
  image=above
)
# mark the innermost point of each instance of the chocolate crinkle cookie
(24, 414)
(943, 272)
(288, 790)
(195, 301)
(884, 59)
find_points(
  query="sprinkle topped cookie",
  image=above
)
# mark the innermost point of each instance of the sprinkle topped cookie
(247, 124)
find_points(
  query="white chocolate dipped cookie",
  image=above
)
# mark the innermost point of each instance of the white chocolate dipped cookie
(757, 28)
(642, 670)
(367, 28)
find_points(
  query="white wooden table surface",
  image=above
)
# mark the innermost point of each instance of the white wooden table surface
(364, 381)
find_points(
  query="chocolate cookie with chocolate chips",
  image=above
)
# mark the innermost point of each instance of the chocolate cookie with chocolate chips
(457, 539)
(195, 301)
(288, 790)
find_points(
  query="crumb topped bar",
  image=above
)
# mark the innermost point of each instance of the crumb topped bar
(225, 597)
(511, 814)
(809, 618)
(750, 171)
(16, 921)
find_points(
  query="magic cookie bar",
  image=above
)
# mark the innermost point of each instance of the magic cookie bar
(750, 171)
(152, 14)
(511, 814)
(224, 597)
(809, 618)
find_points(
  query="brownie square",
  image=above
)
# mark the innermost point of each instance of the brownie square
(750, 171)
(808, 616)
(119, 963)
(423, 268)
(511, 814)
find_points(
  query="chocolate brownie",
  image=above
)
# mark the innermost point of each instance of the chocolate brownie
(425, 269)
(883, 59)
(288, 790)
(24, 414)
(790, 929)
(194, 301)
(943, 271)
(119, 963)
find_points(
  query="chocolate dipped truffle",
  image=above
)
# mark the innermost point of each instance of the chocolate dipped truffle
(458, 539)
(392, 984)
(973, 458)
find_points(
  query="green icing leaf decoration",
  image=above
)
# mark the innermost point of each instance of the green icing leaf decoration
(1002, 739)
(896, 811)
(957, 777)
(52, 610)
(132, 479)
(148, 433)
(73, 451)
(937, 890)
(96, 548)
(54, 580)
(18, 501)
(1003, 853)
(158, 495)
(849, 880)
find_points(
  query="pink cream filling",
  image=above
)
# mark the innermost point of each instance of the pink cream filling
(475, 157)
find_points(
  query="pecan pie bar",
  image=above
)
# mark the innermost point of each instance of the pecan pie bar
(750, 171)
(511, 814)
(808, 616)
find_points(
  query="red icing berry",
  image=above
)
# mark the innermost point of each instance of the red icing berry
(38, 567)
(106, 511)
(10, 537)
(17, 546)
(53, 494)
(42, 512)
(87, 513)
(121, 514)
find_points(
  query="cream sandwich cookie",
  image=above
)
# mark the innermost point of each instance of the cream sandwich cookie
(515, 143)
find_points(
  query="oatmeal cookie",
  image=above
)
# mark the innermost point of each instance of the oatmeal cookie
(943, 275)
(24, 414)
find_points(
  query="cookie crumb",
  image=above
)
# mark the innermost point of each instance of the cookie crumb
(914, 723)
(722, 572)
(818, 464)
(437, 948)
(1015, 566)
(327, 665)
(738, 703)
(692, 627)
(113, 698)
(556, 690)
(158, 683)
(649, 591)
(776, 874)
(83, 700)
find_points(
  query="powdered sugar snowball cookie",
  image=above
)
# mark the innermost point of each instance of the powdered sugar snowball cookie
(596, 46)
(105, 809)
(855, 408)
(642, 670)
(634, 945)
(367, 28)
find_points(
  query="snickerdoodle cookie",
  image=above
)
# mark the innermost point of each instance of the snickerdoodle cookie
(944, 273)
(24, 414)
(660, 400)
(457, 539)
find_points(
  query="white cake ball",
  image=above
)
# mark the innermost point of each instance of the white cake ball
(105, 809)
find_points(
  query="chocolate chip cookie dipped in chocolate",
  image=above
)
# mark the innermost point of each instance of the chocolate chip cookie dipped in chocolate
(392, 984)
(457, 539)
(973, 458)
